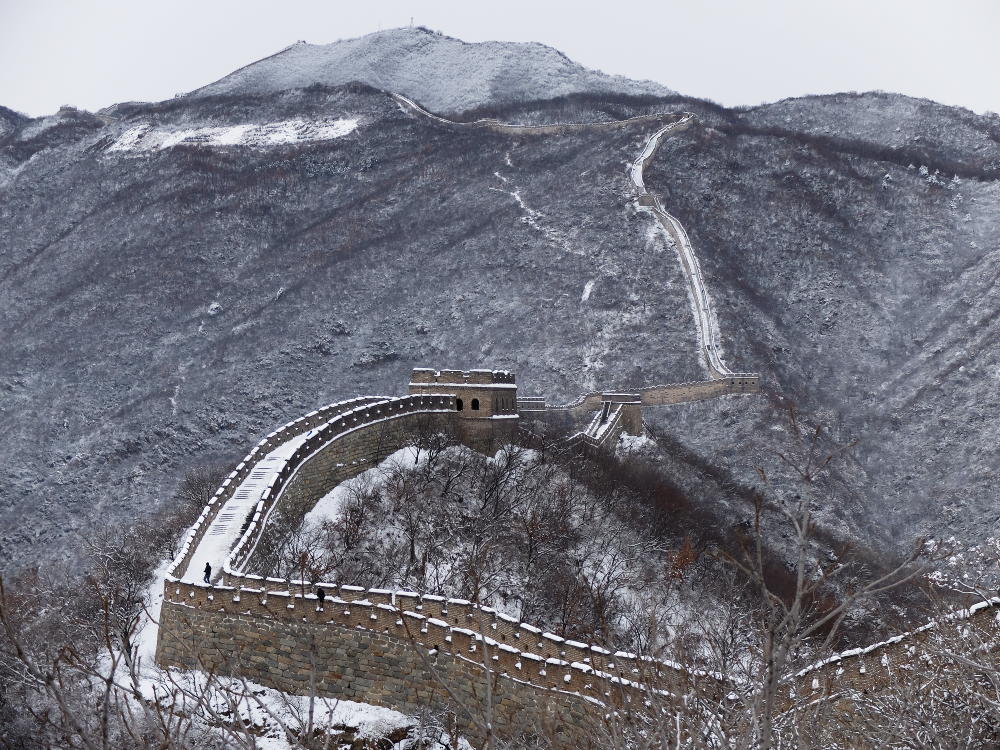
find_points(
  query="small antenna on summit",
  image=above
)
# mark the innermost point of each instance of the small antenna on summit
(411, 22)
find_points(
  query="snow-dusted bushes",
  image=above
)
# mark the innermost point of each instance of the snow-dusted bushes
(62, 624)
(516, 531)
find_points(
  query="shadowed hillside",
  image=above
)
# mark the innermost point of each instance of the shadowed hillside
(177, 278)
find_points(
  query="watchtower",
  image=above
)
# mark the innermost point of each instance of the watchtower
(485, 402)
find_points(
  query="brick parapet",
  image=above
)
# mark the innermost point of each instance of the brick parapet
(281, 600)
(542, 660)
(337, 658)
(677, 393)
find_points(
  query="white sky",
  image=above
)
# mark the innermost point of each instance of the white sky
(92, 53)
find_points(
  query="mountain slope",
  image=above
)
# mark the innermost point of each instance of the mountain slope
(163, 307)
(889, 120)
(177, 278)
(866, 293)
(440, 72)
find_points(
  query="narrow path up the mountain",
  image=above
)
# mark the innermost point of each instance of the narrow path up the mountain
(705, 320)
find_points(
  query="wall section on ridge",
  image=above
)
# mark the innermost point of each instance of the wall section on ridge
(342, 458)
(352, 663)
(371, 645)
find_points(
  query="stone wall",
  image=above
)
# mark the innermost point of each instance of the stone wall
(374, 646)
(339, 660)
(679, 393)
(656, 395)
(449, 619)
(549, 129)
(369, 645)
(877, 667)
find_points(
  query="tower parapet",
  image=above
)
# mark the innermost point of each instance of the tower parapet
(485, 402)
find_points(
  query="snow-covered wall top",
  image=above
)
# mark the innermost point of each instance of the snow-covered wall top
(440, 72)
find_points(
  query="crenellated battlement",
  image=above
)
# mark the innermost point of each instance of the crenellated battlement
(461, 378)
(454, 626)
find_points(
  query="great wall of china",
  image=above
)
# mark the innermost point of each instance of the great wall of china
(701, 302)
(407, 650)
(400, 649)
(365, 644)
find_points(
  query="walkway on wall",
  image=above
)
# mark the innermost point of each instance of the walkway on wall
(306, 458)
(705, 320)
(225, 529)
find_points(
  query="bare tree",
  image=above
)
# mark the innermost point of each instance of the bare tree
(805, 619)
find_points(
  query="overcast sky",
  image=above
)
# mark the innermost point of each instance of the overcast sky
(92, 53)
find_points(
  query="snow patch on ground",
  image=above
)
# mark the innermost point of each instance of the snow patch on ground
(149, 624)
(370, 722)
(39, 126)
(633, 443)
(587, 289)
(532, 219)
(145, 138)
(329, 506)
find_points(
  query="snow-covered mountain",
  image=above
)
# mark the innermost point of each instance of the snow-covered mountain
(177, 278)
(441, 72)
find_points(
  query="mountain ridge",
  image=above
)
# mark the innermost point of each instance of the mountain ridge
(415, 61)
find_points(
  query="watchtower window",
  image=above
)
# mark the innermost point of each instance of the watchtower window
(458, 404)
(475, 404)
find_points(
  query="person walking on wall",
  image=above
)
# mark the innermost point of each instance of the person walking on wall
(321, 595)
(208, 572)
